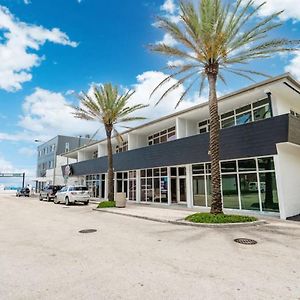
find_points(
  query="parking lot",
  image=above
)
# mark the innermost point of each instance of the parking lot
(43, 256)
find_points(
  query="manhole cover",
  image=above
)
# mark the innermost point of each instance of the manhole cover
(245, 241)
(87, 230)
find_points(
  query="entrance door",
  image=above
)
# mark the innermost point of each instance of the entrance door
(182, 189)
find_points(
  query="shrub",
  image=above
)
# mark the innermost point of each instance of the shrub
(106, 204)
(218, 219)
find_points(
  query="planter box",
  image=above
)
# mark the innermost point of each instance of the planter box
(120, 199)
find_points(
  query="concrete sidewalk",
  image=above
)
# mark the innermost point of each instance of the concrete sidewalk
(177, 214)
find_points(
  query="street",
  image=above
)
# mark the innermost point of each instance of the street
(43, 256)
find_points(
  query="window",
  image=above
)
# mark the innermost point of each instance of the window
(246, 184)
(122, 147)
(67, 147)
(256, 111)
(95, 154)
(162, 136)
(154, 185)
(295, 114)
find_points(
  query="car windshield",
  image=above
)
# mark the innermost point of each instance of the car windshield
(80, 188)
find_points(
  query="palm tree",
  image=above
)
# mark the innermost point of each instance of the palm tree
(211, 39)
(106, 106)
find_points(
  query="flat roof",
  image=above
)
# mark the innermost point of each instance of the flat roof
(287, 76)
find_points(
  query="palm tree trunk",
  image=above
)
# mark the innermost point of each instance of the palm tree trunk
(216, 204)
(110, 170)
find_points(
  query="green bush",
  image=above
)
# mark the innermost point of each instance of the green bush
(106, 204)
(219, 218)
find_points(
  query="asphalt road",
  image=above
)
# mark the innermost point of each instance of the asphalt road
(43, 256)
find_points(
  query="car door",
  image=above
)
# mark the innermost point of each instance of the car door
(60, 194)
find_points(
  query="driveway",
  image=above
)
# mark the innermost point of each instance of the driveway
(42, 256)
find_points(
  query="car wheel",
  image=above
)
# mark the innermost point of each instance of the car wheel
(86, 202)
(41, 198)
(67, 201)
(55, 200)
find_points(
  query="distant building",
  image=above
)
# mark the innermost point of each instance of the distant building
(49, 159)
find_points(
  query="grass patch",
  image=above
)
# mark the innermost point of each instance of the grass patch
(218, 219)
(106, 204)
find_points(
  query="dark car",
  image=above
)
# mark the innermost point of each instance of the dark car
(49, 192)
(23, 192)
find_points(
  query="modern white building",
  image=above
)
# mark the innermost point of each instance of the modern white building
(166, 161)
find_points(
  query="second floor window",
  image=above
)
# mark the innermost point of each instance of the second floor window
(67, 147)
(122, 147)
(249, 113)
(162, 136)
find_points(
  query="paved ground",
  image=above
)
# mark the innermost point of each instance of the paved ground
(42, 256)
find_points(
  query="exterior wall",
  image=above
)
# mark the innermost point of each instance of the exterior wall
(185, 128)
(287, 165)
(136, 141)
(249, 140)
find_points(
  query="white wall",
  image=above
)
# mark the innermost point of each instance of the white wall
(136, 141)
(102, 150)
(287, 166)
(185, 128)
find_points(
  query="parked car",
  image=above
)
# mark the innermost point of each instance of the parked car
(23, 192)
(72, 194)
(49, 192)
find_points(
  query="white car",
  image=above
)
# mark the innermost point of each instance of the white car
(72, 194)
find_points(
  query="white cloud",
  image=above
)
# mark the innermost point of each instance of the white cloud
(168, 40)
(169, 7)
(47, 114)
(294, 66)
(291, 8)
(18, 38)
(27, 151)
(146, 82)
(27, 2)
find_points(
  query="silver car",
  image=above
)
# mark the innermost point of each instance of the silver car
(72, 194)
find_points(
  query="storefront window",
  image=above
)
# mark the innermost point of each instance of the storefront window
(269, 197)
(230, 191)
(249, 191)
(199, 191)
(247, 165)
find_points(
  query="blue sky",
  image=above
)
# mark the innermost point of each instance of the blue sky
(93, 42)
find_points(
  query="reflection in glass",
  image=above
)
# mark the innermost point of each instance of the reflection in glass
(143, 189)
(208, 187)
(246, 165)
(149, 190)
(199, 191)
(230, 191)
(156, 190)
(228, 166)
(268, 189)
(249, 191)
(228, 122)
(243, 118)
(266, 164)
(164, 189)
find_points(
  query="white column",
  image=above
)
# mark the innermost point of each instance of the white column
(138, 186)
(169, 186)
(189, 186)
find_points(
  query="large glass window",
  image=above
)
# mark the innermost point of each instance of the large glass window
(199, 198)
(269, 197)
(248, 184)
(122, 147)
(162, 136)
(258, 110)
(132, 185)
(230, 191)
(154, 185)
(249, 191)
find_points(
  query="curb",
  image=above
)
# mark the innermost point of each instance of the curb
(186, 223)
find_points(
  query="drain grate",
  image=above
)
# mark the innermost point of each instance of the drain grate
(87, 230)
(245, 241)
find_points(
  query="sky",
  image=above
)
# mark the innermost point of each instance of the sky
(51, 50)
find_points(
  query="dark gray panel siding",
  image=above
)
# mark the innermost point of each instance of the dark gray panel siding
(253, 139)
(294, 130)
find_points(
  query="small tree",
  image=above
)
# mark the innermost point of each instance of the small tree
(106, 106)
(212, 38)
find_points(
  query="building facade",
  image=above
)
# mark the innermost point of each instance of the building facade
(167, 161)
(49, 159)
